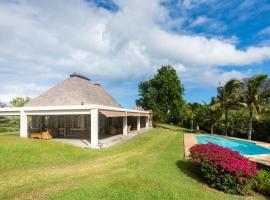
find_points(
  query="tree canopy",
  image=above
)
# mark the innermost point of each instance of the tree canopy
(2, 104)
(163, 94)
(19, 101)
(254, 98)
(227, 98)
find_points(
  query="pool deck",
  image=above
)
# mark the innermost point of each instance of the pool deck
(190, 140)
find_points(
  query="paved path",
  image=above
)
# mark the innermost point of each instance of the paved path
(189, 141)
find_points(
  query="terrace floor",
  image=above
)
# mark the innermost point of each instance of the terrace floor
(104, 142)
(190, 140)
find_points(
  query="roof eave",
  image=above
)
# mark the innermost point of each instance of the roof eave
(70, 108)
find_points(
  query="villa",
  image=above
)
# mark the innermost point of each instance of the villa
(78, 110)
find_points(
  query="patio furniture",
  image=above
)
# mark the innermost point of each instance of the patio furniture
(44, 135)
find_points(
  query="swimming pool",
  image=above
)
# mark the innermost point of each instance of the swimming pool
(243, 147)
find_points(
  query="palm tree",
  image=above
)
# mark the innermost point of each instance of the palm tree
(228, 98)
(192, 107)
(254, 98)
(214, 113)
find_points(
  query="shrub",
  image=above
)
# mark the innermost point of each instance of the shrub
(8, 129)
(261, 182)
(224, 168)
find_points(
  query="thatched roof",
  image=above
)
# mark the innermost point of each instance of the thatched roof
(76, 90)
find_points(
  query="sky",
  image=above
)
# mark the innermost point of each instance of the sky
(120, 43)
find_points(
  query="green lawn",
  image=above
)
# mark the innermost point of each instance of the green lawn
(172, 127)
(9, 133)
(148, 167)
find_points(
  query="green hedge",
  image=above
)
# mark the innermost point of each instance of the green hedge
(261, 182)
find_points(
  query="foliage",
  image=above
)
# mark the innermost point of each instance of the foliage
(238, 120)
(8, 123)
(227, 113)
(254, 98)
(2, 104)
(224, 168)
(261, 182)
(8, 129)
(163, 95)
(261, 130)
(19, 101)
(196, 114)
(13, 121)
(227, 98)
(214, 114)
(52, 170)
(2, 118)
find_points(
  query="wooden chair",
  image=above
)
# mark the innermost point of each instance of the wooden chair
(44, 135)
(36, 135)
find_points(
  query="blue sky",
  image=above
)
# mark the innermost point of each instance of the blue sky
(120, 43)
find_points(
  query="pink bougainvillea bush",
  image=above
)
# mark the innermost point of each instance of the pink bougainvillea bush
(224, 168)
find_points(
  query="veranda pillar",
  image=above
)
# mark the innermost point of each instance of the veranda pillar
(125, 125)
(23, 125)
(94, 128)
(147, 122)
(138, 123)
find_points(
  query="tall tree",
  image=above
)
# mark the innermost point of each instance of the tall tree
(255, 98)
(163, 95)
(193, 112)
(19, 101)
(214, 114)
(228, 98)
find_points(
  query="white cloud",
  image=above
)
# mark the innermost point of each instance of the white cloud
(189, 4)
(208, 23)
(265, 31)
(200, 20)
(8, 92)
(43, 41)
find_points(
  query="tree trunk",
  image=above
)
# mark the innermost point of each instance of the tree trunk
(250, 124)
(212, 128)
(226, 123)
(191, 125)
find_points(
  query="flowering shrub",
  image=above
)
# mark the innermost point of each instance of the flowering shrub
(224, 168)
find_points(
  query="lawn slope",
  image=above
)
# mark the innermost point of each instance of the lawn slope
(148, 167)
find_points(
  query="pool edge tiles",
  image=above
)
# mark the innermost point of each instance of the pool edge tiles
(245, 148)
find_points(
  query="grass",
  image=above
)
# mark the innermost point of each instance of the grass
(9, 133)
(172, 127)
(148, 167)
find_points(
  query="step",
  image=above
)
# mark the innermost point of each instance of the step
(111, 138)
(107, 144)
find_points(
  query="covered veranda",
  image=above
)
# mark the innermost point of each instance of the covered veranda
(91, 123)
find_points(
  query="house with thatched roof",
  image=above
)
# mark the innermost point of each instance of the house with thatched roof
(78, 110)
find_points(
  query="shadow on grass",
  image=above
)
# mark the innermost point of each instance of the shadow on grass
(190, 169)
(172, 127)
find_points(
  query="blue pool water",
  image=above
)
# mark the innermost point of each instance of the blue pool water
(243, 147)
